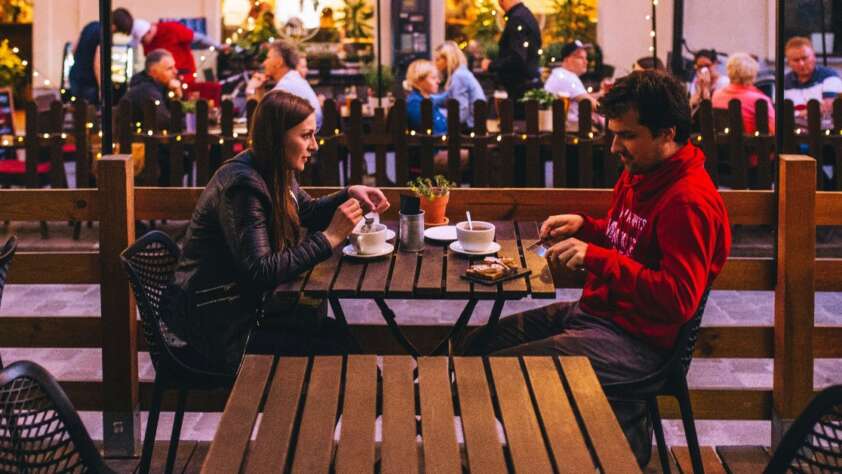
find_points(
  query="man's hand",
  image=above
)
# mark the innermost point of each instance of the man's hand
(175, 87)
(569, 252)
(560, 226)
(257, 80)
(371, 199)
(485, 64)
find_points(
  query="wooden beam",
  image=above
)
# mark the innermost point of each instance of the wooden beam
(30, 268)
(166, 203)
(722, 404)
(49, 204)
(829, 273)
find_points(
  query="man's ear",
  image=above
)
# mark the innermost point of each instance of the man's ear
(668, 134)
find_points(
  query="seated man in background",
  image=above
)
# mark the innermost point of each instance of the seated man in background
(564, 80)
(281, 66)
(157, 82)
(806, 80)
(649, 261)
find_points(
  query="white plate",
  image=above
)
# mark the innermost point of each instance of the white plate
(457, 247)
(443, 233)
(349, 251)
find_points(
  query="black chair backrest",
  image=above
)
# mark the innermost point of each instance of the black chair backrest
(814, 442)
(689, 334)
(40, 430)
(150, 263)
(6, 255)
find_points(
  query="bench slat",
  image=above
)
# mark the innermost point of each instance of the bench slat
(399, 452)
(557, 418)
(314, 447)
(610, 445)
(271, 449)
(441, 453)
(356, 440)
(743, 459)
(710, 461)
(234, 431)
(523, 434)
(485, 453)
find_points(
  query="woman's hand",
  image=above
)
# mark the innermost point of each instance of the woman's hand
(371, 199)
(343, 222)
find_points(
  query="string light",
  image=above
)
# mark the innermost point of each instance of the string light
(16, 50)
(827, 132)
(757, 133)
(178, 138)
(499, 138)
(221, 141)
(429, 132)
(444, 138)
(46, 135)
(526, 44)
(64, 136)
(412, 132)
(473, 134)
(149, 133)
(727, 130)
(157, 102)
(540, 52)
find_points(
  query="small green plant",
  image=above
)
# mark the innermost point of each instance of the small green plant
(430, 188)
(12, 68)
(188, 106)
(544, 97)
(370, 76)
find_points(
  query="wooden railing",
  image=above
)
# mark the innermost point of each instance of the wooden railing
(792, 341)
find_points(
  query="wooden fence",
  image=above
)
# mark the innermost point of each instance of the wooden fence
(513, 155)
(794, 274)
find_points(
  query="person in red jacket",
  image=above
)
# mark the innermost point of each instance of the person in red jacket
(648, 261)
(175, 38)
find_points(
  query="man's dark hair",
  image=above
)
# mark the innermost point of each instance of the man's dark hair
(659, 99)
(155, 57)
(287, 51)
(122, 20)
(649, 62)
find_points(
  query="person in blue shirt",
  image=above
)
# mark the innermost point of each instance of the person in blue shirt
(422, 80)
(460, 83)
(84, 74)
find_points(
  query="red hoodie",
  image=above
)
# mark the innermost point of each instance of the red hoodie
(664, 240)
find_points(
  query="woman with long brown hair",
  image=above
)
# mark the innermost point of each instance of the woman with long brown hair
(254, 228)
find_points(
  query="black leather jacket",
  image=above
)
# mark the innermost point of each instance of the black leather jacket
(228, 262)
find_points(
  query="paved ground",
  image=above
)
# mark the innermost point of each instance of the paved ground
(724, 308)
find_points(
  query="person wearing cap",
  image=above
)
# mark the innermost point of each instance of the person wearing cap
(84, 74)
(175, 38)
(517, 66)
(564, 80)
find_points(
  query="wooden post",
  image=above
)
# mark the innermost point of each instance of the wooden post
(203, 164)
(150, 173)
(33, 146)
(227, 128)
(534, 168)
(454, 142)
(398, 124)
(559, 144)
(58, 178)
(329, 154)
(354, 137)
(837, 141)
(481, 164)
(708, 140)
(176, 145)
(382, 178)
(585, 145)
(736, 145)
(80, 132)
(505, 175)
(795, 290)
(121, 415)
(427, 150)
(814, 138)
(787, 130)
(763, 145)
(125, 127)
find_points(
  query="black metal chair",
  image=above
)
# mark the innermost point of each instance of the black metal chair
(150, 263)
(814, 442)
(670, 380)
(40, 430)
(6, 255)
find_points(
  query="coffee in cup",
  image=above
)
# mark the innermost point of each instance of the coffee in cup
(366, 243)
(476, 237)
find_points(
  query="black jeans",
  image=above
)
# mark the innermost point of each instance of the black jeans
(304, 331)
(564, 329)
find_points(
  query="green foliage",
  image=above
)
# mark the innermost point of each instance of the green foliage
(543, 97)
(12, 69)
(357, 19)
(485, 29)
(552, 54)
(188, 106)
(248, 45)
(571, 20)
(430, 188)
(370, 75)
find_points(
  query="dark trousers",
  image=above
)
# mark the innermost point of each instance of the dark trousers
(304, 331)
(564, 329)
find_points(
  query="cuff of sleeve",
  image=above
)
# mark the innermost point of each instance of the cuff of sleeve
(588, 230)
(596, 258)
(325, 251)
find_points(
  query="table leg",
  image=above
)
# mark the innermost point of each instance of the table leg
(389, 317)
(463, 320)
(493, 318)
(340, 318)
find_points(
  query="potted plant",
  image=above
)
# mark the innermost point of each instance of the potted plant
(189, 109)
(434, 194)
(370, 76)
(545, 100)
(12, 70)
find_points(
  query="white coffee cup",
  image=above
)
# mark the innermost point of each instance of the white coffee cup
(475, 238)
(369, 242)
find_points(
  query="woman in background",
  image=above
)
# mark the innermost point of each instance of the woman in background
(460, 83)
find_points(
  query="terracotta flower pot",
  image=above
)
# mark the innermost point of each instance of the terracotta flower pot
(435, 209)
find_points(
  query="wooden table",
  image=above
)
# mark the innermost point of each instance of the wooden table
(531, 415)
(434, 273)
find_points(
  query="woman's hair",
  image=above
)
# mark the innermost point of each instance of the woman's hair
(417, 71)
(742, 68)
(650, 62)
(276, 114)
(454, 57)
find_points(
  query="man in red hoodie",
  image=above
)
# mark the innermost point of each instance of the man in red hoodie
(648, 261)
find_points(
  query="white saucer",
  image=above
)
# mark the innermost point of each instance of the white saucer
(442, 233)
(349, 251)
(457, 247)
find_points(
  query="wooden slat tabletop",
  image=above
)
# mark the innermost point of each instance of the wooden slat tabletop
(498, 414)
(436, 272)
